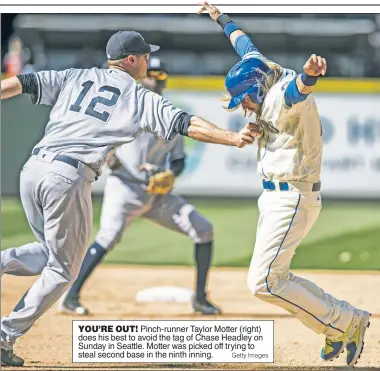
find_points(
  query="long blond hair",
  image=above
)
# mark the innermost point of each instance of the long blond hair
(269, 80)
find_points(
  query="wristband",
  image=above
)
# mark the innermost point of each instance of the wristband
(308, 80)
(227, 24)
(222, 20)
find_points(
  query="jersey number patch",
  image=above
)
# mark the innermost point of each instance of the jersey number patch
(90, 110)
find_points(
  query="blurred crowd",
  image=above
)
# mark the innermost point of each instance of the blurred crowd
(350, 42)
(17, 59)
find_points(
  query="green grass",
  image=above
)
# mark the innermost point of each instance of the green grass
(349, 230)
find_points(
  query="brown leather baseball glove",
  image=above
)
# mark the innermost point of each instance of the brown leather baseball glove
(160, 181)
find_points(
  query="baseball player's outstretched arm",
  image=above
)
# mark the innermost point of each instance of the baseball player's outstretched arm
(314, 67)
(43, 87)
(239, 40)
(158, 116)
(204, 131)
(299, 88)
(10, 87)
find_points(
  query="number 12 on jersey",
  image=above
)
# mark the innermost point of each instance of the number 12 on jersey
(90, 110)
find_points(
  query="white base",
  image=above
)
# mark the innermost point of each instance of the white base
(165, 294)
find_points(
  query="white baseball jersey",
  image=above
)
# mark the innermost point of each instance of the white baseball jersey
(95, 110)
(147, 148)
(295, 153)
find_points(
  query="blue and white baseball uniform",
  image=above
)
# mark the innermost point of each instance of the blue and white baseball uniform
(289, 163)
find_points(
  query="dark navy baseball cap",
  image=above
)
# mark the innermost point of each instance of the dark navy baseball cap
(124, 43)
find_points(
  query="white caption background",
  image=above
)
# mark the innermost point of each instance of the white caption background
(173, 341)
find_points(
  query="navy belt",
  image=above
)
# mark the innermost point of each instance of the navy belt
(68, 160)
(284, 186)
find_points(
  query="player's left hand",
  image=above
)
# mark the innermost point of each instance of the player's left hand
(212, 10)
(315, 66)
(160, 181)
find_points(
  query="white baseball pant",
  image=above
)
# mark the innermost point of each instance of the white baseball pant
(285, 219)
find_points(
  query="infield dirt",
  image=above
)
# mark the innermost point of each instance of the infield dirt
(110, 294)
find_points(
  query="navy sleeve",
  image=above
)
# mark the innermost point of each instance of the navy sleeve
(292, 94)
(177, 166)
(29, 84)
(181, 124)
(244, 45)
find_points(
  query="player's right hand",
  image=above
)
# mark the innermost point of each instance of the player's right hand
(315, 66)
(248, 134)
(212, 10)
(147, 167)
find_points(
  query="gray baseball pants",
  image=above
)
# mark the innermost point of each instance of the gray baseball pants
(57, 201)
(125, 201)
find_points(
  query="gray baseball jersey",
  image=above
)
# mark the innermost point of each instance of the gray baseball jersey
(125, 198)
(147, 148)
(95, 110)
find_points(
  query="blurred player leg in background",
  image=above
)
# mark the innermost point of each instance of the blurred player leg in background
(174, 212)
(123, 203)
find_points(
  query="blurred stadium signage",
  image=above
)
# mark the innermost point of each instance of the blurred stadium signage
(351, 161)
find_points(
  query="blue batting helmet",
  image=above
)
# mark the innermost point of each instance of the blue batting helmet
(245, 78)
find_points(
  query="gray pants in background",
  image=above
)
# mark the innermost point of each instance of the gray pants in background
(125, 201)
(57, 201)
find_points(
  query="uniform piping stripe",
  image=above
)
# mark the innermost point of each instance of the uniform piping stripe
(262, 158)
(167, 136)
(39, 96)
(278, 296)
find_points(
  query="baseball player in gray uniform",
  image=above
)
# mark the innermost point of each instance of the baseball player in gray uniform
(94, 111)
(126, 198)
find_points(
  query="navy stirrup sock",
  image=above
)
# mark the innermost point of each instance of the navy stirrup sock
(203, 254)
(95, 254)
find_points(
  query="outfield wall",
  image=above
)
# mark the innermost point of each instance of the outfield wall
(350, 115)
